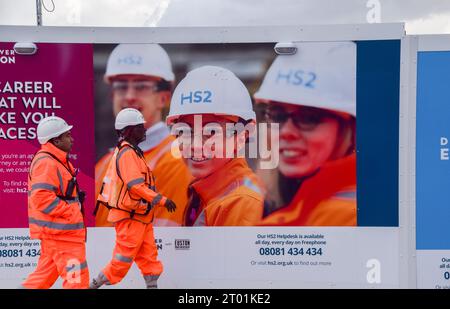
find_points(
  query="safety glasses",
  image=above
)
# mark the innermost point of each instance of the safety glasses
(139, 86)
(304, 118)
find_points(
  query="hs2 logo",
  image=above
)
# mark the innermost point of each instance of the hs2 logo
(196, 97)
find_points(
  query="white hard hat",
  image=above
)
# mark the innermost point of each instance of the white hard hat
(211, 90)
(51, 127)
(139, 59)
(320, 74)
(128, 117)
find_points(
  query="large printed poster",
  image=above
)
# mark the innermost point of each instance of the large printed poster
(272, 160)
(432, 164)
(57, 80)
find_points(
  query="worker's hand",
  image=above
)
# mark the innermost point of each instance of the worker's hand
(170, 205)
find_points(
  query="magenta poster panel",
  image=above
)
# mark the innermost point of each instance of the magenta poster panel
(57, 80)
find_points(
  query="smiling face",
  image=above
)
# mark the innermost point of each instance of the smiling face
(139, 92)
(203, 157)
(306, 143)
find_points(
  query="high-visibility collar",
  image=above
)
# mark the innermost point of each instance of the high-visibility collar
(215, 184)
(332, 177)
(137, 149)
(58, 153)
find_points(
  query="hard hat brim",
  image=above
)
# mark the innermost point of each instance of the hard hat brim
(171, 119)
(44, 140)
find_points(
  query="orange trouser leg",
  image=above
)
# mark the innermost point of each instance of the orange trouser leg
(46, 273)
(70, 259)
(129, 237)
(147, 256)
(60, 258)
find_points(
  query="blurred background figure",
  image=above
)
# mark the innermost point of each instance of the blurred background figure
(141, 77)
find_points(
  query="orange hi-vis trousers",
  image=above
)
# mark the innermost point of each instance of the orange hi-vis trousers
(60, 258)
(134, 242)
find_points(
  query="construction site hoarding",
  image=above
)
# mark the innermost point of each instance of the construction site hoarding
(316, 204)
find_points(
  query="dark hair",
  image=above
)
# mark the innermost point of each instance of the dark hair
(288, 187)
(164, 85)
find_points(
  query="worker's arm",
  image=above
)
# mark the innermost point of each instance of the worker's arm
(134, 178)
(45, 188)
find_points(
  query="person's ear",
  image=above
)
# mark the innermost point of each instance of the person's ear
(164, 99)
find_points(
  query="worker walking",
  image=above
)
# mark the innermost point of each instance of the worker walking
(129, 192)
(225, 191)
(55, 210)
(141, 77)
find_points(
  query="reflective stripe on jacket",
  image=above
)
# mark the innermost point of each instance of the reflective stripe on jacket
(51, 216)
(129, 186)
(172, 178)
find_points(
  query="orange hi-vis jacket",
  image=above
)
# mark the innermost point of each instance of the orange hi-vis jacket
(53, 213)
(231, 196)
(129, 187)
(172, 178)
(326, 199)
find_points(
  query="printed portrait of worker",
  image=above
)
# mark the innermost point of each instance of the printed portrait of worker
(312, 96)
(207, 109)
(140, 76)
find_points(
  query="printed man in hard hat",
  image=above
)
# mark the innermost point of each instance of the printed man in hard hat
(129, 192)
(55, 210)
(141, 77)
(225, 191)
(312, 95)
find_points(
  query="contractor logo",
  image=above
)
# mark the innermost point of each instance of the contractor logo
(182, 244)
(7, 56)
